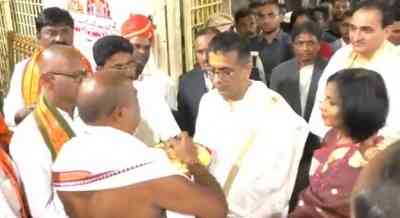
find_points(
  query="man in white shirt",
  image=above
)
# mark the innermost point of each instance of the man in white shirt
(106, 172)
(38, 138)
(113, 54)
(139, 30)
(53, 26)
(368, 49)
(256, 137)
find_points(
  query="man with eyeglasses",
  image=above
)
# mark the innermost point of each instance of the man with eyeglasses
(53, 26)
(114, 54)
(256, 138)
(39, 137)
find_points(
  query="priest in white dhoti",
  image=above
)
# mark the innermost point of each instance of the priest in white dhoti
(113, 54)
(256, 137)
(122, 176)
(368, 50)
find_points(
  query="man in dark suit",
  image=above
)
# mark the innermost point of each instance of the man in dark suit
(297, 81)
(195, 83)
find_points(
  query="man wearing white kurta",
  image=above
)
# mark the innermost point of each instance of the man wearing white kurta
(113, 54)
(60, 24)
(59, 68)
(251, 127)
(367, 50)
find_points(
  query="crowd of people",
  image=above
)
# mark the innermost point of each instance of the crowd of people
(285, 114)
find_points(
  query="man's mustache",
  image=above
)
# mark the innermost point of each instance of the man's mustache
(59, 43)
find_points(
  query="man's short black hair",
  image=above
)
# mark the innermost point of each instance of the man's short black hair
(396, 9)
(207, 31)
(323, 10)
(231, 41)
(241, 13)
(53, 16)
(260, 3)
(298, 13)
(364, 101)
(255, 4)
(381, 199)
(107, 46)
(348, 13)
(385, 11)
(307, 27)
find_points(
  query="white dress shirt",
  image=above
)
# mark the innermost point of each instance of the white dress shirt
(264, 183)
(304, 84)
(14, 100)
(34, 161)
(157, 123)
(159, 82)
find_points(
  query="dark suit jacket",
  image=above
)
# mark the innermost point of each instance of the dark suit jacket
(285, 81)
(191, 88)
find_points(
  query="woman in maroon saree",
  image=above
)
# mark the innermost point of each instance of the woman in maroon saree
(355, 107)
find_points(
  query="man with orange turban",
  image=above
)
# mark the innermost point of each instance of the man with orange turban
(158, 123)
(140, 31)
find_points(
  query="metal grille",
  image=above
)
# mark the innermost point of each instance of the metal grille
(23, 14)
(17, 35)
(195, 14)
(5, 26)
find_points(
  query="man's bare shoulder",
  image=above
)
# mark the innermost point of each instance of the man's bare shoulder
(139, 200)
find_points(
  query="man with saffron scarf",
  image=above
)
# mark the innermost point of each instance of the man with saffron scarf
(12, 199)
(40, 136)
(140, 31)
(53, 26)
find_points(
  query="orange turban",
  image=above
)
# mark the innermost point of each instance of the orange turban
(137, 25)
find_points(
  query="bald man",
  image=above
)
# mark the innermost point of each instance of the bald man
(376, 193)
(39, 137)
(123, 177)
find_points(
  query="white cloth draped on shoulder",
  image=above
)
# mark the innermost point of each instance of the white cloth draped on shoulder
(265, 180)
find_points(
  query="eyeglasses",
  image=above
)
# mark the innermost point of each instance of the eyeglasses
(76, 76)
(131, 67)
(222, 74)
(127, 70)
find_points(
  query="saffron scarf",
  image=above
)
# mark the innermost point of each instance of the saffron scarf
(52, 125)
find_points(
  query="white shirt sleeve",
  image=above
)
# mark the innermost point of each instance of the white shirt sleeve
(14, 101)
(316, 123)
(157, 123)
(33, 161)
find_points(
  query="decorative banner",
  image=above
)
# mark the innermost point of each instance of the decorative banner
(97, 18)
